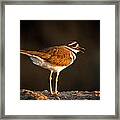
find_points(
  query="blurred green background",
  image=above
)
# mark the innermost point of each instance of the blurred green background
(83, 74)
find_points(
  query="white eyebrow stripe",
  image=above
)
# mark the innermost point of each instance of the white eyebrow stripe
(72, 43)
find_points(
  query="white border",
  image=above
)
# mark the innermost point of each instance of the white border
(104, 13)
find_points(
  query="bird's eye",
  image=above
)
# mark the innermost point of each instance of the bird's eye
(75, 45)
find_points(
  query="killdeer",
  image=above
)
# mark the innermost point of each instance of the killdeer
(55, 59)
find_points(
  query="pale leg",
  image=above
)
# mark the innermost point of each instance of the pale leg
(50, 82)
(56, 82)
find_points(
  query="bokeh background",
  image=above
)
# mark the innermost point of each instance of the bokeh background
(83, 74)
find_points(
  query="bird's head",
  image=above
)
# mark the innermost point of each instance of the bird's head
(74, 46)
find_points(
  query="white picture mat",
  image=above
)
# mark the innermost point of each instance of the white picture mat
(104, 13)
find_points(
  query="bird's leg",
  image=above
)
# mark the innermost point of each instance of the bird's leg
(56, 81)
(50, 82)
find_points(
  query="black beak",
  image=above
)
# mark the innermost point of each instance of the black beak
(82, 49)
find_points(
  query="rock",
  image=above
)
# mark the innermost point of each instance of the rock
(65, 95)
(31, 95)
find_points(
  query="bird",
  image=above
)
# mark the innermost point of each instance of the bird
(55, 59)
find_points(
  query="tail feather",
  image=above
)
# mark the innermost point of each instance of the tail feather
(25, 52)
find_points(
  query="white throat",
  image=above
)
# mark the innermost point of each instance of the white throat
(76, 51)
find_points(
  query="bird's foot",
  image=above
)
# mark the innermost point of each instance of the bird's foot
(55, 94)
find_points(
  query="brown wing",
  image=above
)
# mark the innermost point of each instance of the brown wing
(59, 56)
